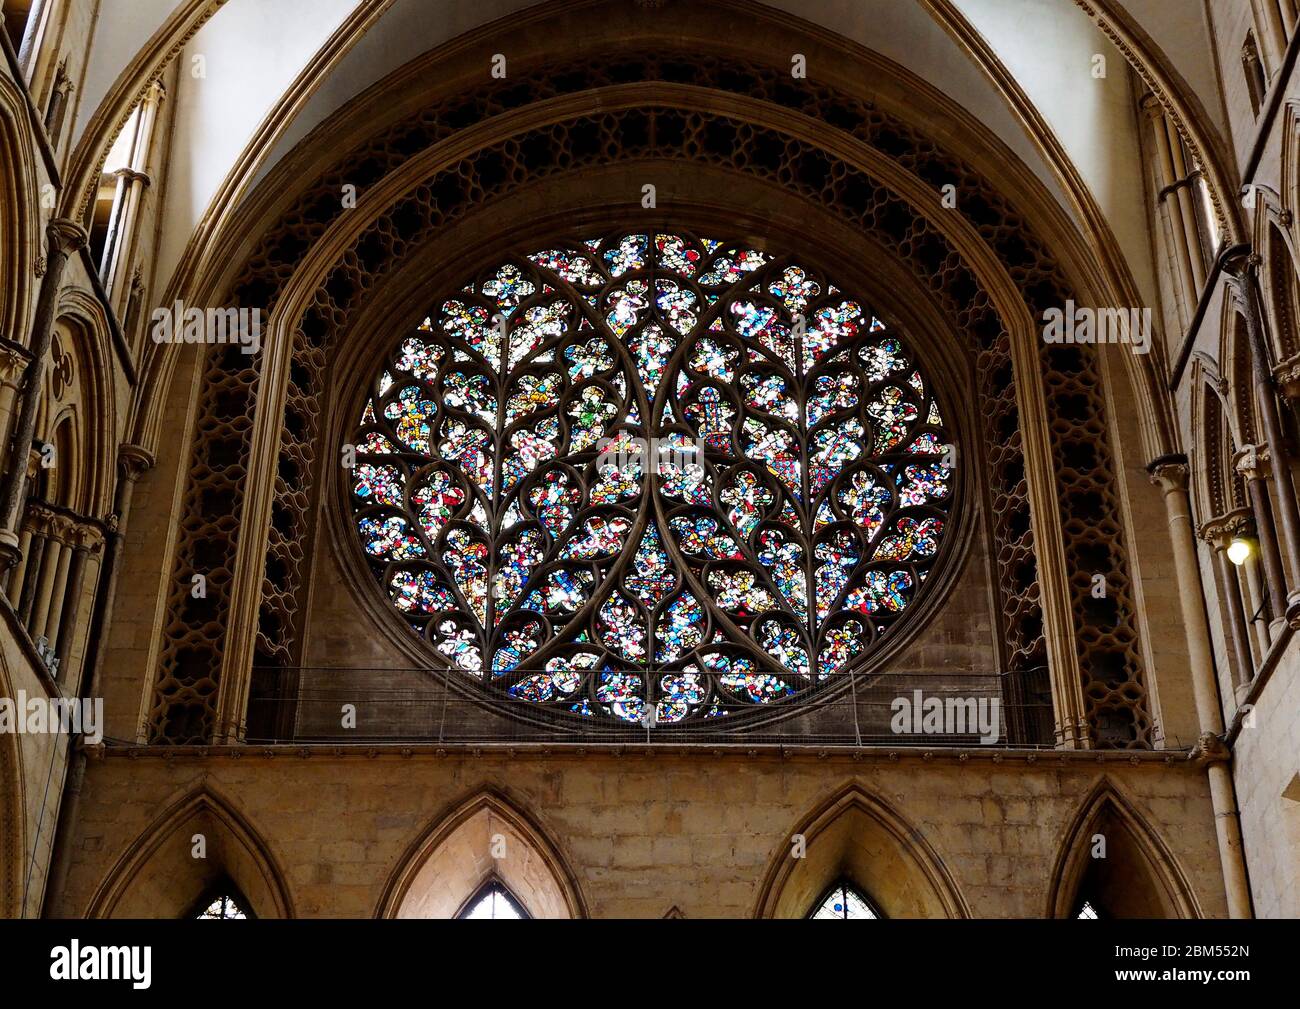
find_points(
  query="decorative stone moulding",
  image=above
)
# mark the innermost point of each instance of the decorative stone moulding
(657, 129)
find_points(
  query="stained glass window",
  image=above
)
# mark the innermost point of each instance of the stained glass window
(651, 479)
(843, 901)
(222, 907)
(1088, 911)
(493, 901)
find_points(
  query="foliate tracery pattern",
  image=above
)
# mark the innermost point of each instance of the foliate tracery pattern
(651, 477)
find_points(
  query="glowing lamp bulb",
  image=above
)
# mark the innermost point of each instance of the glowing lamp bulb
(1239, 550)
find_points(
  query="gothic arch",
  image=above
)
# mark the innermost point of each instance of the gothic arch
(157, 877)
(1216, 487)
(1139, 877)
(876, 170)
(1279, 281)
(856, 835)
(77, 401)
(1289, 180)
(453, 858)
(20, 230)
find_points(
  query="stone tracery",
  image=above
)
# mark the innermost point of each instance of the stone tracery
(652, 471)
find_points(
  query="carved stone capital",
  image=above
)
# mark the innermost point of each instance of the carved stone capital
(1219, 531)
(1252, 462)
(134, 460)
(1287, 374)
(66, 236)
(63, 529)
(1169, 472)
(12, 362)
(1151, 106)
(87, 537)
(131, 175)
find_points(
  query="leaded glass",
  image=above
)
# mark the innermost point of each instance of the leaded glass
(844, 902)
(651, 479)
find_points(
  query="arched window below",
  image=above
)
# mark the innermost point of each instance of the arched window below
(221, 905)
(1088, 910)
(492, 901)
(843, 900)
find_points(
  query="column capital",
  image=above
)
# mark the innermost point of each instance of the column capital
(1152, 106)
(1169, 472)
(13, 359)
(85, 536)
(1287, 375)
(131, 175)
(133, 460)
(66, 235)
(1218, 531)
(1252, 462)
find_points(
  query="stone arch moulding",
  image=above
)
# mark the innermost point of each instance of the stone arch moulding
(1141, 850)
(93, 355)
(857, 835)
(161, 852)
(20, 229)
(452, 858)
(385, 133)
(1180, 101)
(850, 174)
(1213, 482)
(107, 121)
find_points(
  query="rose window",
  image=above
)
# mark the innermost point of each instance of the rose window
(652, 478)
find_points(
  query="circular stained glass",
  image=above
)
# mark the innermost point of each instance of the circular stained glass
(652, 478)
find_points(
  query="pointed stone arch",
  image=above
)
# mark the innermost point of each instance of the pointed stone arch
(20, 229)
(856, 835)
(452, 859)
(1139, 878)
(1216, 486)
(157, 877)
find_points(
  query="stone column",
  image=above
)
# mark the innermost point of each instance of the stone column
(1174, 230)
(1244, 285)
(85, 538)
(65, 238)
(1170, 474)
(1252, 464)
(1270, 34)
(132, 181)
(53, 569)
(1218, 534)
(13, 359)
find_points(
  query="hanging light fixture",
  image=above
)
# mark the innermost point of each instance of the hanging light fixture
(1239, 550)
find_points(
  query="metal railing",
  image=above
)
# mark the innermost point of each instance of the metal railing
(920, 708)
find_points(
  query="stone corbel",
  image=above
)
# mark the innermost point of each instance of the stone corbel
(1252, 462)
(1218, 531)
(1209, 749)
(1287, 375)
